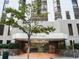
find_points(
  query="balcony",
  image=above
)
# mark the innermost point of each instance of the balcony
(40, 17)
(58, 15)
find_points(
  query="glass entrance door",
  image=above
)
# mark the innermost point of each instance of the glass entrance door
(55, 46)
(39, 47)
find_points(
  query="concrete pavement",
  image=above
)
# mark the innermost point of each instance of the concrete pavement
(21, 57)
(39, 56)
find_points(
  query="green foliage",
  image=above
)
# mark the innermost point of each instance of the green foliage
(37, 9)
(62, 46)
(15, 13)
(3, 46)
(36, 28)
(70, 47)
(10, 10)
(41, 15)
(37, 6)
(9, 46)
(40, 29)
(76, 46)
(10, 21)
(2, 22)
(20, 15)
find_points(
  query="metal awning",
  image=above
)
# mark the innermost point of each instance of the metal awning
(40, 36)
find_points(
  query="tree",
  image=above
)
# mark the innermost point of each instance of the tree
(22, 14)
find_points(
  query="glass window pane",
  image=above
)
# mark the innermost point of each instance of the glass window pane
(70, 29)
(1, 29)
(78, 28)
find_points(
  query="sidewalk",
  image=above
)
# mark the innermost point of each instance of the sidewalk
(65, 58)
(16, 57)
(39, 56)
(19, 57)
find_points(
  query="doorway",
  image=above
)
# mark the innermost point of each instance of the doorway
(22, 45)
(55, 46)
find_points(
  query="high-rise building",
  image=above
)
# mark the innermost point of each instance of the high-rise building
(62, 14)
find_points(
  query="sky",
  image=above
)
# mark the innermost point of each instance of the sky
(1, 5)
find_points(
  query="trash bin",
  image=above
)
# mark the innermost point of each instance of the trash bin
(5, 55)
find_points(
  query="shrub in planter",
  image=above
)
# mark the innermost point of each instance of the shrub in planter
(3, 46)
(9, 46)
(13, 46)
(76, 46)
(62, 47)
(70, 47)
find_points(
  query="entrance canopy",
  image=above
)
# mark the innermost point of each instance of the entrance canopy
(40, 36)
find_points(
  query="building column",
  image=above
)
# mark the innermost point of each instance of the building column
(50, 10)
(4, 41)
(12, 41)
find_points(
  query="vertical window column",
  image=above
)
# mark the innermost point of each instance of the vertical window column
(8, 41)
(71, 42)
(70, 29)
(67, 15)
(1, 29)
(44, 5)
(75, 8)
(1, 41)
(9, 30)
(78, 28)
(57, 9)
(6, 1)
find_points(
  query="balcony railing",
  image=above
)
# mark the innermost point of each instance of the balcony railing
(41, 17)
(58, 15)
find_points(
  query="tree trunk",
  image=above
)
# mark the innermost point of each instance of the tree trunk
(28, 50)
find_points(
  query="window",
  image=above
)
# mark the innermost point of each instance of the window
(44, 2)
(76, 9)
(57, 9)
(1, 41)
(74, 2)
(71, 42)
(44, 7)
(70, 29)
(77, 15)
(6, 1)
(1, 29)
(67, 15)
(8, 30)
(8, 41)
(24, 0)
(78, 28)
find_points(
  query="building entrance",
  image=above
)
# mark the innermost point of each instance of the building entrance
(41, 46)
